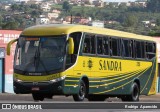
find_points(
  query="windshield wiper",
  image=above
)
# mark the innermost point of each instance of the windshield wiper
(37, 60)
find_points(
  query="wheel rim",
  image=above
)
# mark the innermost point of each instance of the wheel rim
(135, 93)
(82, 91)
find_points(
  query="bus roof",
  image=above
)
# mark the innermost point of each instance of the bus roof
(60, 29)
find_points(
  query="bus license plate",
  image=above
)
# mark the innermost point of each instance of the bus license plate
(35, 88)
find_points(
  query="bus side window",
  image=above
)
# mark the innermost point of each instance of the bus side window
(106, 46)
(86, 47)
(99, 45)
(138, 49)
(114, 47)
(123, 53)
(71, 59)
(126, 48)
(93, 45)
(143, 50)
(76, 38)
(132, 48)
(150, 50)
(89, 44)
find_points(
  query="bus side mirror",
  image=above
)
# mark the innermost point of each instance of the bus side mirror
(71, 45)
(9, 46)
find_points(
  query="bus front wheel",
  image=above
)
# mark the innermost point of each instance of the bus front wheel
(37, 97)
(82, 92)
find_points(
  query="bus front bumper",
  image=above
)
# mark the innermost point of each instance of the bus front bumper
(40, 87)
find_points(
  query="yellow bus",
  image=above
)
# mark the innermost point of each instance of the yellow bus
(85, 62)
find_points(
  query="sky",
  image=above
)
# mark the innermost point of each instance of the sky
(119, 0)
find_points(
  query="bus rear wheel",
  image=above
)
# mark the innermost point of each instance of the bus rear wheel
(134, 96)
(82, 92)
(37, 97)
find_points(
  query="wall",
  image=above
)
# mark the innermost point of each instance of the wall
(5, 37)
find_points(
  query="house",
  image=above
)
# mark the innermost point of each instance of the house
(111, 22)
(42, 20)
(141, 3)
(56, 11)
(84, 21)
(25, 1)
(58, 1)
(98, 3)
(86, 5)
(97, 23)
(146, 22)
(6, 7)
(52, 15)
(46, 6)
(76, 20)
(114, 4)
(84, 2)
(150, 23)
(153, 24)
(125, 4)
(34, 2)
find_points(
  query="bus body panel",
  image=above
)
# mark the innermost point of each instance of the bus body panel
(112, 76)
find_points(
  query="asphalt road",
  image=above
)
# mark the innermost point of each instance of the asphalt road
(7, 97)
(62, 104)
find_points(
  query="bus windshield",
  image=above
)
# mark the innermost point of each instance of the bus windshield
(40, 54)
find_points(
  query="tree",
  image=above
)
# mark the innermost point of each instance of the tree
(122, 7)
(36, 13)
(153, 5)
(14, 7)
(1, 23)
(66, 6)
(130, 20)
(158, 21)
(11, 26)
(111, 5)
(1, 19)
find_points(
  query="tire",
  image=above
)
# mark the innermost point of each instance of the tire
(134, 96)
(82, 92)
(96, 98)
(37, 97)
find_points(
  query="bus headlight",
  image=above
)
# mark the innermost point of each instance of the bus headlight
(58, 79)
(17, 80)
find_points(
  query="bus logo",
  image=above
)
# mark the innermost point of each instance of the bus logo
(90, 64)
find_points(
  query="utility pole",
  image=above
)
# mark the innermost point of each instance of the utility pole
(71, 19)
(82, 10)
